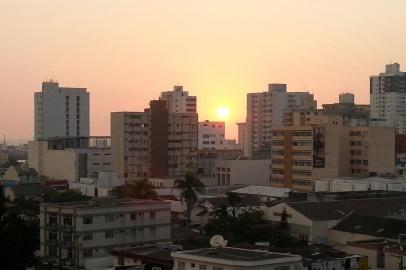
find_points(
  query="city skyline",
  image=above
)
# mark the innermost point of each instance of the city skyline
(217, 54)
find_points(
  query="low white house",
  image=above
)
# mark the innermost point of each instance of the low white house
(99, 187)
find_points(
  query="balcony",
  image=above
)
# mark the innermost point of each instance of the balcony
(52, 226)
(67, 228)
(67, 244)
(52, 242)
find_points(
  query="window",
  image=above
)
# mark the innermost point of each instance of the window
(152, 214)
(87, 236)
(109, 218)
(109, 234)
(87, 253)
(52, 252)
(181, 266)
(53, 220)
(67, 221)
(87, 220)
(133, 216)
(193, 265)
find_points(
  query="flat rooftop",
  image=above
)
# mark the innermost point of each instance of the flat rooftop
(236, 254)
(104, 203)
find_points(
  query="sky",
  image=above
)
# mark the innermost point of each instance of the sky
(127, 51)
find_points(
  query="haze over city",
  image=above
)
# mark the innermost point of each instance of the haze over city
(127, 52)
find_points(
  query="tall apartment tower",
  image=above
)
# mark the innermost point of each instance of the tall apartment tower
(61, 112)
(265, 110)
(388, 97)
(154, 143)
(242, 136)
(179, 101)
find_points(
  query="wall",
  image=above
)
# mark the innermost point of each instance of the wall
(243, 172)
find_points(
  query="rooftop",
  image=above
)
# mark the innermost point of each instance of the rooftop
(375, 226)
(337, 210)
(264, 191)
(236, 254)
(104, 202)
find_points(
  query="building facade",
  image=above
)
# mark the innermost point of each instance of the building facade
(242, 172)
(265, 111)
(211, 135)
(154, 143)
(227, 258)
(388, 97)
(61, 112)
(81, 235)
(179, 101)
(301, 154)
(70, 158)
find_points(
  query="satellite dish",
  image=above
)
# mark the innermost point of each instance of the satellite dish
(218, 241)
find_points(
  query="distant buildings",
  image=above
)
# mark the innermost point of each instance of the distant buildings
(70, 158)
(154, 143)
(265, 111)
(388, 98)
(81, 235)
(179, 101)
(211, 135)
(3, 151)
(61, 112)
(333, 142)
(242, 137)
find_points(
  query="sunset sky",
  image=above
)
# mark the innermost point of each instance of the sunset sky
(127, 51)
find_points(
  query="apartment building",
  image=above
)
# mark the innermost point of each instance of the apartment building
(70, 158)
(301, 154)
(81, 235)
(154, 143)
(265, 111)
(228, 258)
(211, 135)
(388, 98)
(179, 101)
(242, 137)
(61, 112)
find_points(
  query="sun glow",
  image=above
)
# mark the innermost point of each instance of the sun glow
(223, 112)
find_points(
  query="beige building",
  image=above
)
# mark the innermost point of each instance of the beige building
(314, 146)
(154, 143)
(68, 158)
(242, 172)
(81, 235)
(265, 111)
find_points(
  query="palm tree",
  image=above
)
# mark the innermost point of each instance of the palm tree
(188, 186)
(140, 189)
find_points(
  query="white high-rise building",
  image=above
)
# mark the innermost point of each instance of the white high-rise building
(265, 110)
(61, 112)
(179, 101)
(211, 135)
(388, 98)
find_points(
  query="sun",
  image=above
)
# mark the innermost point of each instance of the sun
(223, 112)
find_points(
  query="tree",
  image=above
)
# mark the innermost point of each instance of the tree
(283, 224)
(188, 186)
(19, 238)
(234, 201)
(71, 195)
(140, 189)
